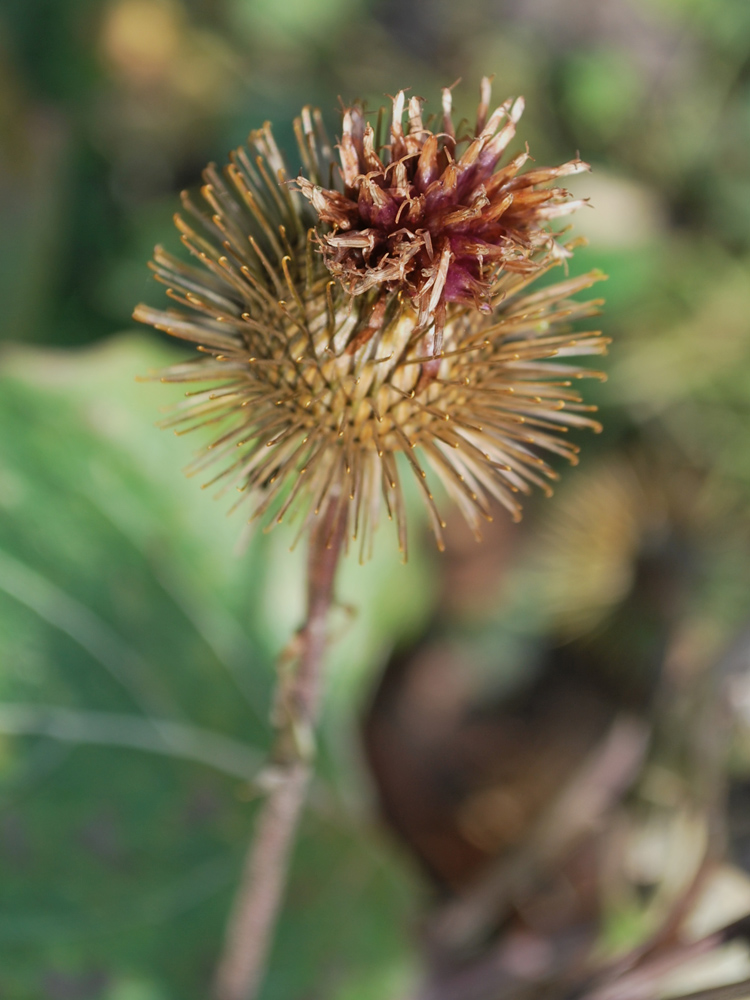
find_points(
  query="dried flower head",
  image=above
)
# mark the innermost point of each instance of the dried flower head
(430, 214)
(326, 360)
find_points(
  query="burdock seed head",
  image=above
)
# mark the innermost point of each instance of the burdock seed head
(374, 314)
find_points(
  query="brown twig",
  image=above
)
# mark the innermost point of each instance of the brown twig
(251, 924)
(579, 809)
(732, 991)
(641, 982)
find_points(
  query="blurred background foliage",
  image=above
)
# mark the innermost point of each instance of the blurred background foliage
(121, 590)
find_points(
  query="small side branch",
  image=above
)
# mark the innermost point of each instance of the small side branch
(249, 933)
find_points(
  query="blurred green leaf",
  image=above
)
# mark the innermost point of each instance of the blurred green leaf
(122, 599)
(603, 88)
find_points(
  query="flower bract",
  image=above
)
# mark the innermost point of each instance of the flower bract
(373, 317)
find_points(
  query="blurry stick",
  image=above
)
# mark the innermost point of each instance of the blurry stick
(579, 811)
(643, 982)
(251, 924)
(733, 991)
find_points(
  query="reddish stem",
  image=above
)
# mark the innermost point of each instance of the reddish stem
(250, 929)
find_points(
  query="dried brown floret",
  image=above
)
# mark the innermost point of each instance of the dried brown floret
(431, 215)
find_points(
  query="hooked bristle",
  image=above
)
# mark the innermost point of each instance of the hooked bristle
(427, 344)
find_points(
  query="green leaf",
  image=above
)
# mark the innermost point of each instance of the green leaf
(137, 653)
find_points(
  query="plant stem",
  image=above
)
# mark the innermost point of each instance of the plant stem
(250, 929)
